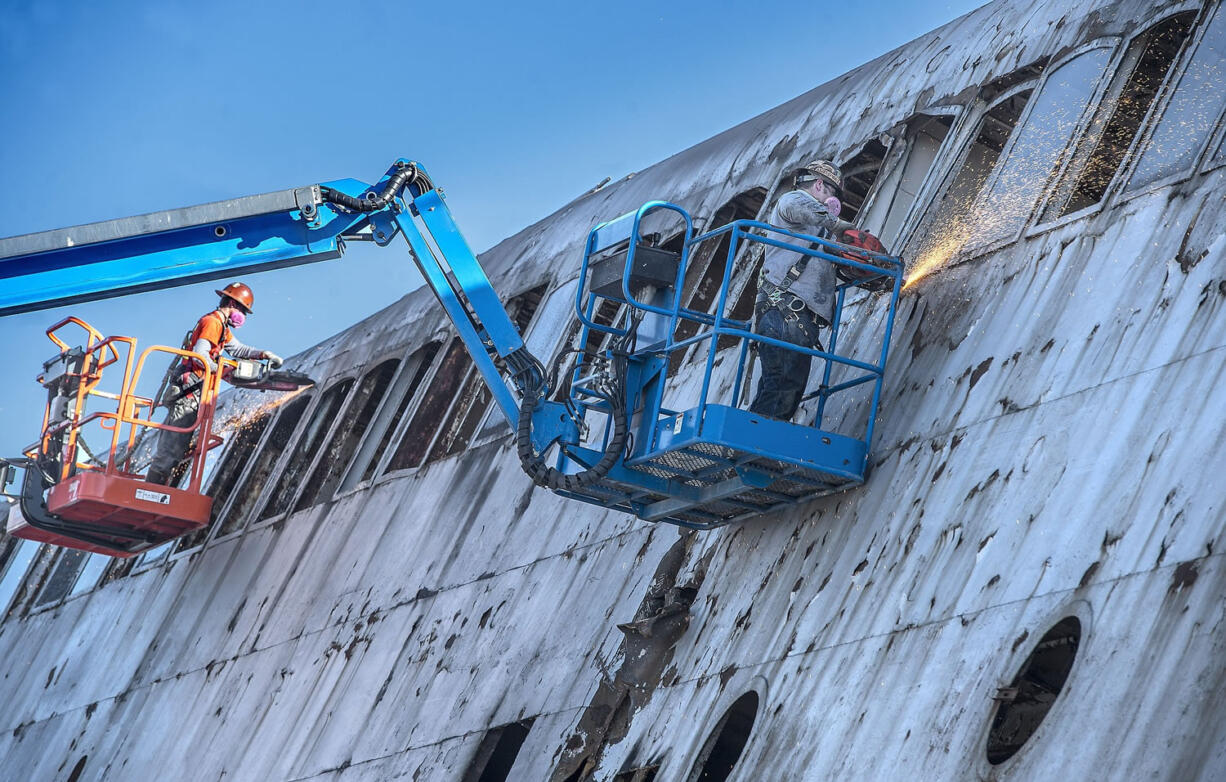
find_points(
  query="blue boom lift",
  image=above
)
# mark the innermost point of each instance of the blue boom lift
(608, 438)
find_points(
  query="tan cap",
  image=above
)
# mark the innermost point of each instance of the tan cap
(820, 169)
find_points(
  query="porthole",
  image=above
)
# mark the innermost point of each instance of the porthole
(723, 748)
(1025, 702)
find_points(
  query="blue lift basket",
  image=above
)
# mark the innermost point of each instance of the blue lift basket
(714, 462)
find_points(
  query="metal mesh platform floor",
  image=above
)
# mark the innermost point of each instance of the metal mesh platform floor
(707, 465)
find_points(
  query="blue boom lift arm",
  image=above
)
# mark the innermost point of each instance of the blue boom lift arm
(699, 468)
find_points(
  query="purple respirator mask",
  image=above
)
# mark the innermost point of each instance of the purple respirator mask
(237, 318)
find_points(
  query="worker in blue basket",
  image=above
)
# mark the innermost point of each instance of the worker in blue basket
(211, 336)
(796, 292)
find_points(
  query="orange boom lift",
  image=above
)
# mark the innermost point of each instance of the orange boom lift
(99, 501)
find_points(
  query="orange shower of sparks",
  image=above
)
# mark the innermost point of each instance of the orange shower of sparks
(245, 416)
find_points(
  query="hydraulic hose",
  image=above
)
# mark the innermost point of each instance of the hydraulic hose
(614, 395)
(551, 478)
(372, 202)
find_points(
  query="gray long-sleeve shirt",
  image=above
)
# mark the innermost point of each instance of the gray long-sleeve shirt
(799, 211)
(233, 348)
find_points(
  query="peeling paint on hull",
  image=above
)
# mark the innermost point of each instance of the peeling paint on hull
(1048, 446)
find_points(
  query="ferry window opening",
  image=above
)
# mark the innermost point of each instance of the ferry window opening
(945, 227)
(148, 557)
(895, 193)
(440, 392)
(90, 575)
(497, 752)
(307, 448)
(1029, 697)
(469, 405)
(1008, 200)
(474, 401)
(705, 273)
(334, 459)
(15, 561)
(414, 370)
(742, 307)
(607, 312)
(260, 472)
(727, 741)
(859, 174)
(1101, 153)
(1190, 115)
(246, 436)
(64, 574)
(119, 569)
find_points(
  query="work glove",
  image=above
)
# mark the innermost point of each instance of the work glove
(273, 359)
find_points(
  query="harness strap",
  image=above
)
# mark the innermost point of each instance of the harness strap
(775, 292)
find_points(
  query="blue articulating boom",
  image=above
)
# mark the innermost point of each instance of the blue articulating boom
(609, 440)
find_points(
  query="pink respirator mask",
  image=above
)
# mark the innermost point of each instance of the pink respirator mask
(833, 206)
(237, 318)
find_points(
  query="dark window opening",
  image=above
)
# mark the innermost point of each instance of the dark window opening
(420, 363)
(63, 575)
(704, 274)
(470, 406)
(243, 444)
(1028, 698)
(308, 445)
(726, 743)
(336, 457)
(1120, 117)
(497, 752)
(14, 567)
(415, 442)
(742, 308)
(1190, 115)
(894, 196)
(260, 471)
(946, 226)
(606, 313)
(120, 568)
(1022, 177)
(1002, 84)
(466, 414)
(8, 550)
(36, 576)
(90, 574)
(859, 174)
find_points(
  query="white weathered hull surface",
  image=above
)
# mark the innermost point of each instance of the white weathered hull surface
(379, 635)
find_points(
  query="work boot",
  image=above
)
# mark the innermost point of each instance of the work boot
(157, 476)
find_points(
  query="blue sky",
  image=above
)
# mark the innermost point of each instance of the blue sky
(113, 109)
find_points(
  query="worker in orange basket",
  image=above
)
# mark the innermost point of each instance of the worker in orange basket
(212, 335)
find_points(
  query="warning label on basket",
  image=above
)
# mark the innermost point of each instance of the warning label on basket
(153, 496)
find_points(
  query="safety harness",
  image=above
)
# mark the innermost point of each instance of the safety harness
(172, 387)
(791, 306)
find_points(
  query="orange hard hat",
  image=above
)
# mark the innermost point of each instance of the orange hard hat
(239, 293)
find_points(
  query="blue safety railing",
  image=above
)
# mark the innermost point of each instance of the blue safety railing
(733, 459)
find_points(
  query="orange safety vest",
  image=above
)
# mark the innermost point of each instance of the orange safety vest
(212, 328)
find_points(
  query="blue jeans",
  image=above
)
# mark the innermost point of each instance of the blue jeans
(784, 372)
